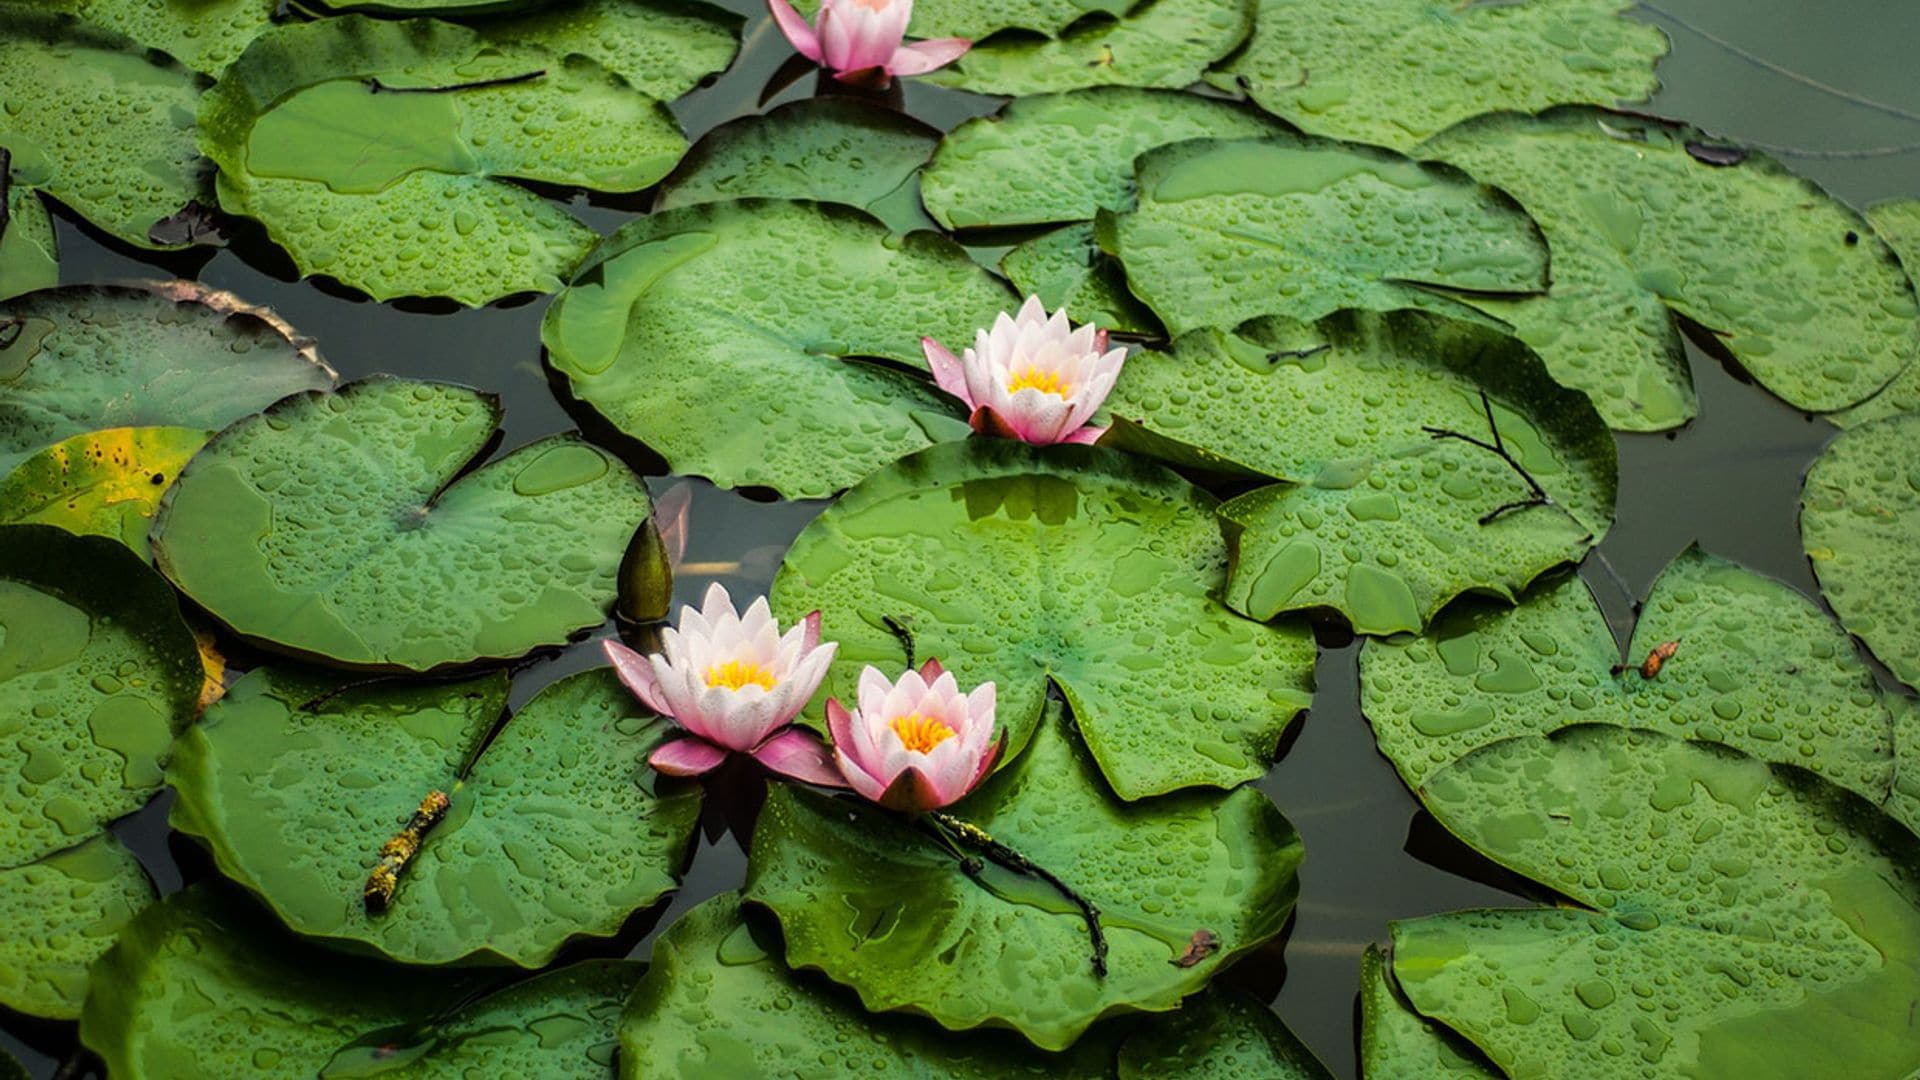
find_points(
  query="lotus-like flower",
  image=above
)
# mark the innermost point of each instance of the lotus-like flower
(734, 684)
(914, 745)
(1031, 377)
(862, 41)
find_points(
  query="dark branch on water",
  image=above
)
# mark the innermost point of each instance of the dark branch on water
(1498, 446)
(903, 632)
(374, 85)
(6, 188)
(955, 834)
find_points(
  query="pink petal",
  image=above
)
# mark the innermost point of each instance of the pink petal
(986, 762)
(670, 512)
(636, 674)
(686, 757)
(987, 422)
(911, 792)
(812, 636)
(931, 670)
(924, 56)
(1086, 436)
(869, 34)
(948, 373)
(804, 40)
(863, 782)
(798, 754)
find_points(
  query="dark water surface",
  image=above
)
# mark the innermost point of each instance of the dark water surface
(1833, 82)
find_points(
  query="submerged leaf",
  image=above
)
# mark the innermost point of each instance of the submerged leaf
(1163, 43)
(1860, 524)
(61, 912)
(102, 483)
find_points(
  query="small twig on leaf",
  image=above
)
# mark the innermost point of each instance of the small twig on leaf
(396, 853)
(955, 833)
(374, 85)
(903, 632)
(1498, 446)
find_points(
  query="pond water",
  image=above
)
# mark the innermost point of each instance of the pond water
(1833, 80)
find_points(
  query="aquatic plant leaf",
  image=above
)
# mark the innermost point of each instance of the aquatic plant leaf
(733, 339)
(102, 483)
(1309, 226)
(378, 153)
(1073, 565)
(1758, 667)
(1375, 515)
(557, 828)
(203, 984)
(1647, 228)
(205, 35)
(97, 675)
(98, 123)
(87, 357)
(1397, 1043)
(663, 48)
(29, 255)
(1898, 223)
(1066, 269)
(1219, 1035)
(1904, 802)
(1860, 524)
(1392, 72)
(346, 526)
(880, 906)
(61, 912)
(832, 149)
(976, 19)
(1736, 915)
(1002, 170)
(11, 1068)
(1163, 43)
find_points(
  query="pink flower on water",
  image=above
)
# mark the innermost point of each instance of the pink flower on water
(917, 744)
(734, 684)
(1031, 377)
(861, 41)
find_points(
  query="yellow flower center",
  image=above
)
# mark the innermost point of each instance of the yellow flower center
(921, 734)
(1047, 382)
(735, 674)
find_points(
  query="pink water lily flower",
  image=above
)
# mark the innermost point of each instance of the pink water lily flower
(862, 41)
(917, 744)
(734, 684)
(1031, 377)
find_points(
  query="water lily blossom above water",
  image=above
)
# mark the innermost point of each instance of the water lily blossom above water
(917, 744)
(863, 41)
(1032, 377)
(733, 683)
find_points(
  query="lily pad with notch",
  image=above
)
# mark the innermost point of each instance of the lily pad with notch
(1159, 43)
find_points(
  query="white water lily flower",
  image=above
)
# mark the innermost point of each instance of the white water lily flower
(1031, 377)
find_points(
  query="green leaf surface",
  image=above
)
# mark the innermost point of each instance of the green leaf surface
(102, 483)
(97, 675)
(204, 985)
(88, 357)
(1309, 226)
(1397, 1043)
(1758, 667)
(110, 131)
(346, 526)
(1860, 524)
(1075, 565)
(663, 48)
(733, 338)
(832, 149)
(205, 35)
(29, 255)
(1392, 72)
(1898, 223)
(1647, 229)
(1065, 269)
(61, 912)
(1218, 1036)
(880, 906)
(1375, 517)
(1740, 918)
(405, 193)
(1159, 43)
(1904, 802)
(976, 19)
(557, 827)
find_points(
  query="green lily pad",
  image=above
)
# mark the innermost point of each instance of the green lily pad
(1164, 43)
(346, 526)
(1860, 523)
(1375, 516)
(880, 906)
(1065, 269)
(87, 357)
(976, 19)
(557, 829)
(1904, 802)
(205, 35)
(1072, 565)
(664, 48)
(110, 133)
(1392, 72)
(732, 338)
(833, 149)
(97, 675)
(1898, 223)
(1007, 169)
(62, 911)
(1739, 918)
(1758, 667)
(400, 193)
(29, 255)
(1397, 1043)
(1650, 222)
(102, 483)
(1311, 226)
(204, 985)
(1218, 1036)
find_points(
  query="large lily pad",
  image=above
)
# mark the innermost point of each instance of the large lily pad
(203, 985)
(1758, 667)
(83, 358)
(1164, 43)
(346, 526)
(833, 149)
(1740, 919)
(1397, 1043)
(731, 337)
(556, 829)
(1229, 229)
(102, 483)
(378, 153)
(61, 912)
(1376, 516)
(1392, 72)
(1860, 522)
(663, 48)
(1072, 565)
(98, 123)
(205, 35)
(29, 255)
(1650, 222)
(878, 905)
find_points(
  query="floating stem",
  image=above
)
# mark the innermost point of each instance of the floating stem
(374, 85)
(956, 834)
(1498, 446)
(396, 853)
